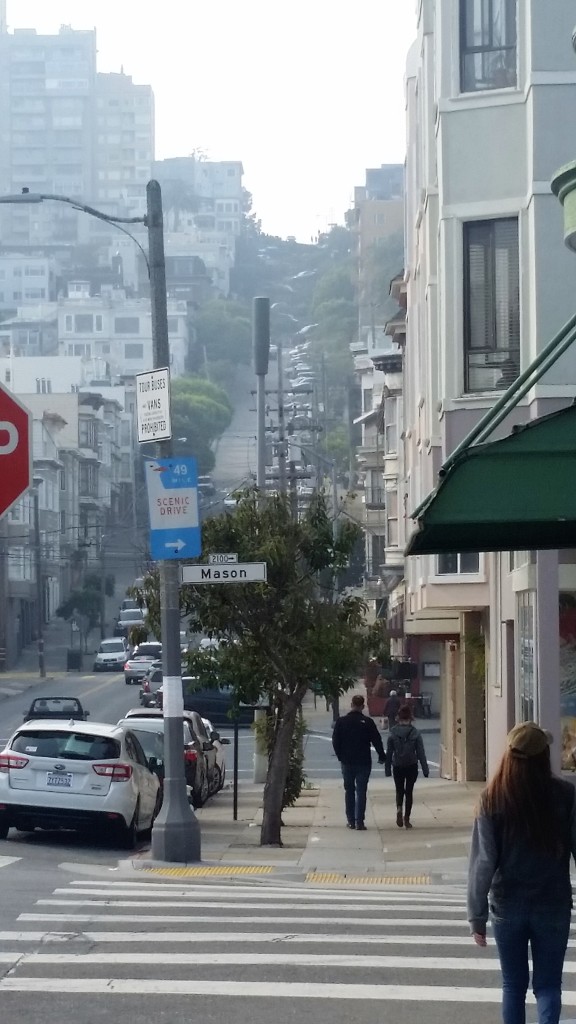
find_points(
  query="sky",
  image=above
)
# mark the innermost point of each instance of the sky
(307, 94)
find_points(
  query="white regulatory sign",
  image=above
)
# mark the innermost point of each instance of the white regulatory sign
(222, 559)
(153, 405)
(237, 572)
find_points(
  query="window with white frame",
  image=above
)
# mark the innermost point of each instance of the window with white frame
(390, 425)
(392, 527)
(488, 43)
(458, 564)
(491, 304)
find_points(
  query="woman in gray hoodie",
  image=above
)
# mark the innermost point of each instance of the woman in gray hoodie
(523, 836)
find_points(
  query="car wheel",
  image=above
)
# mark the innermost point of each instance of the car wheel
(127, 681)
(4, 826)
(201, 796)
(129, 833)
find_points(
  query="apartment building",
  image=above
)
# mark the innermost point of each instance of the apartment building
(488, 283)
(125, 142)
(117, 330)
(26, 280)
(47, 94)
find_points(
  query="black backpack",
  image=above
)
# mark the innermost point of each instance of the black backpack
(405, 749)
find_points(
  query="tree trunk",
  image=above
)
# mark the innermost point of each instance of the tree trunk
(277, 775)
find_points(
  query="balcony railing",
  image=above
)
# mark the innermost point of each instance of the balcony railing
(375, 497)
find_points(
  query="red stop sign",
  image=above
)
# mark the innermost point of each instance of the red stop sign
(15, 449)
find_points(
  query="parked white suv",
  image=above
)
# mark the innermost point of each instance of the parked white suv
(111, 654)
(77, 776)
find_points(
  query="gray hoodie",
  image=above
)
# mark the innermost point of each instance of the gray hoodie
(406, 731)
(515, 875)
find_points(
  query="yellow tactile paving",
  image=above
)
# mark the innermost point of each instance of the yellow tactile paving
(207, 872)
(334, 878)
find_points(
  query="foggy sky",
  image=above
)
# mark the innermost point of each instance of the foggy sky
(306, 93)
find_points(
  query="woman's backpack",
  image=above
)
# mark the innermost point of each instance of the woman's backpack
(405, 748)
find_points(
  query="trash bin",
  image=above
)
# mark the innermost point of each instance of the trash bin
(73, 659)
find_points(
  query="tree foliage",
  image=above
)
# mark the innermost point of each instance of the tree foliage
(284, 635)
(224, 331)
(201, 412)
(84, 605)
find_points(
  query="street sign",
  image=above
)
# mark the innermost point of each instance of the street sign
(240, 572)
(227, 559)
(173, 504)
(153, 405)
(15, 449)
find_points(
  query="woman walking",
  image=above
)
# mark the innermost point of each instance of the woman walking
(403, 752)
(523, 836)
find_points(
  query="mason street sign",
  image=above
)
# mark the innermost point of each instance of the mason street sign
(241, 572)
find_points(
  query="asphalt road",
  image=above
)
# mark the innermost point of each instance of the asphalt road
(94, 946)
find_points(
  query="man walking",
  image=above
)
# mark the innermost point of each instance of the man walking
(353, 737)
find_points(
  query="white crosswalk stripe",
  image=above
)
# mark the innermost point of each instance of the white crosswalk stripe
(254, 941)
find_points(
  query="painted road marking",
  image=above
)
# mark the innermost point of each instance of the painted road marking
(264, 989)
(311, 908)
(245, 938)
(162, 918)
(6, 861)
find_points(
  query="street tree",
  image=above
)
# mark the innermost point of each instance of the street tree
(284, 636)
(84, 605)
(201, 412)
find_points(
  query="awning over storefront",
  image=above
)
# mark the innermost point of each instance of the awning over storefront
(515, 494)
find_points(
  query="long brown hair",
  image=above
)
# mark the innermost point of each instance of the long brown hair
(521, 794)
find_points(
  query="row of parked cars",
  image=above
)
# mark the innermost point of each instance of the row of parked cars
(57, 771)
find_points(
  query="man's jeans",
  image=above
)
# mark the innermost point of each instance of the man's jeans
(547, 932)
(355, 786)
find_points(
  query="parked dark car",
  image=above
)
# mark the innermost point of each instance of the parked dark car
(215, 704)
(196, 767)
(56, 707)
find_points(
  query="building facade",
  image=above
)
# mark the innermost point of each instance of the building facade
(488, 283)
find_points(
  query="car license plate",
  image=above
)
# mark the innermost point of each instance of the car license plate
(55, 779)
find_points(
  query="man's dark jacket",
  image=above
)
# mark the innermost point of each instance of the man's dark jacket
(353, 736)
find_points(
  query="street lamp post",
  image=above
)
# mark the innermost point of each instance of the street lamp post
(39, 581)
(176, 832)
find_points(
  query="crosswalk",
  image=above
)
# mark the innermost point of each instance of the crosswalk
(255, 940)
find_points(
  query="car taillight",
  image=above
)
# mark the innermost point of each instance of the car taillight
(8, 761)
(190, 756)
(126, 665)
(145, 686)
(115, 772)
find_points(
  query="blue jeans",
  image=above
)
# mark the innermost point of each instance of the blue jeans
(355, 786)
(546, 930)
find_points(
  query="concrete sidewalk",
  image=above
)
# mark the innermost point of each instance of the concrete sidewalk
(316, 843)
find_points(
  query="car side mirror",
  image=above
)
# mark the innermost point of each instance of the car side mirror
(214, 735)
(224, 741)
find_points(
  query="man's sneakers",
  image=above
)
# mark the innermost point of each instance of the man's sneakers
(350, 824)
(399, 818)
(360, 826)
(407, 823)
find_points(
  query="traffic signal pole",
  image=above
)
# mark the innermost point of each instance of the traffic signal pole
(176, 832)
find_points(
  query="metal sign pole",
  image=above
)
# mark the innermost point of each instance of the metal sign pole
(176, 832)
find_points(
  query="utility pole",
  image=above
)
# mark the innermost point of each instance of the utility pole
(176, 832)
(102, 554)
(282, 447)
(39, 581)
(261, 353)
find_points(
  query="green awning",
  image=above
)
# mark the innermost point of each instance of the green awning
(515, 494)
